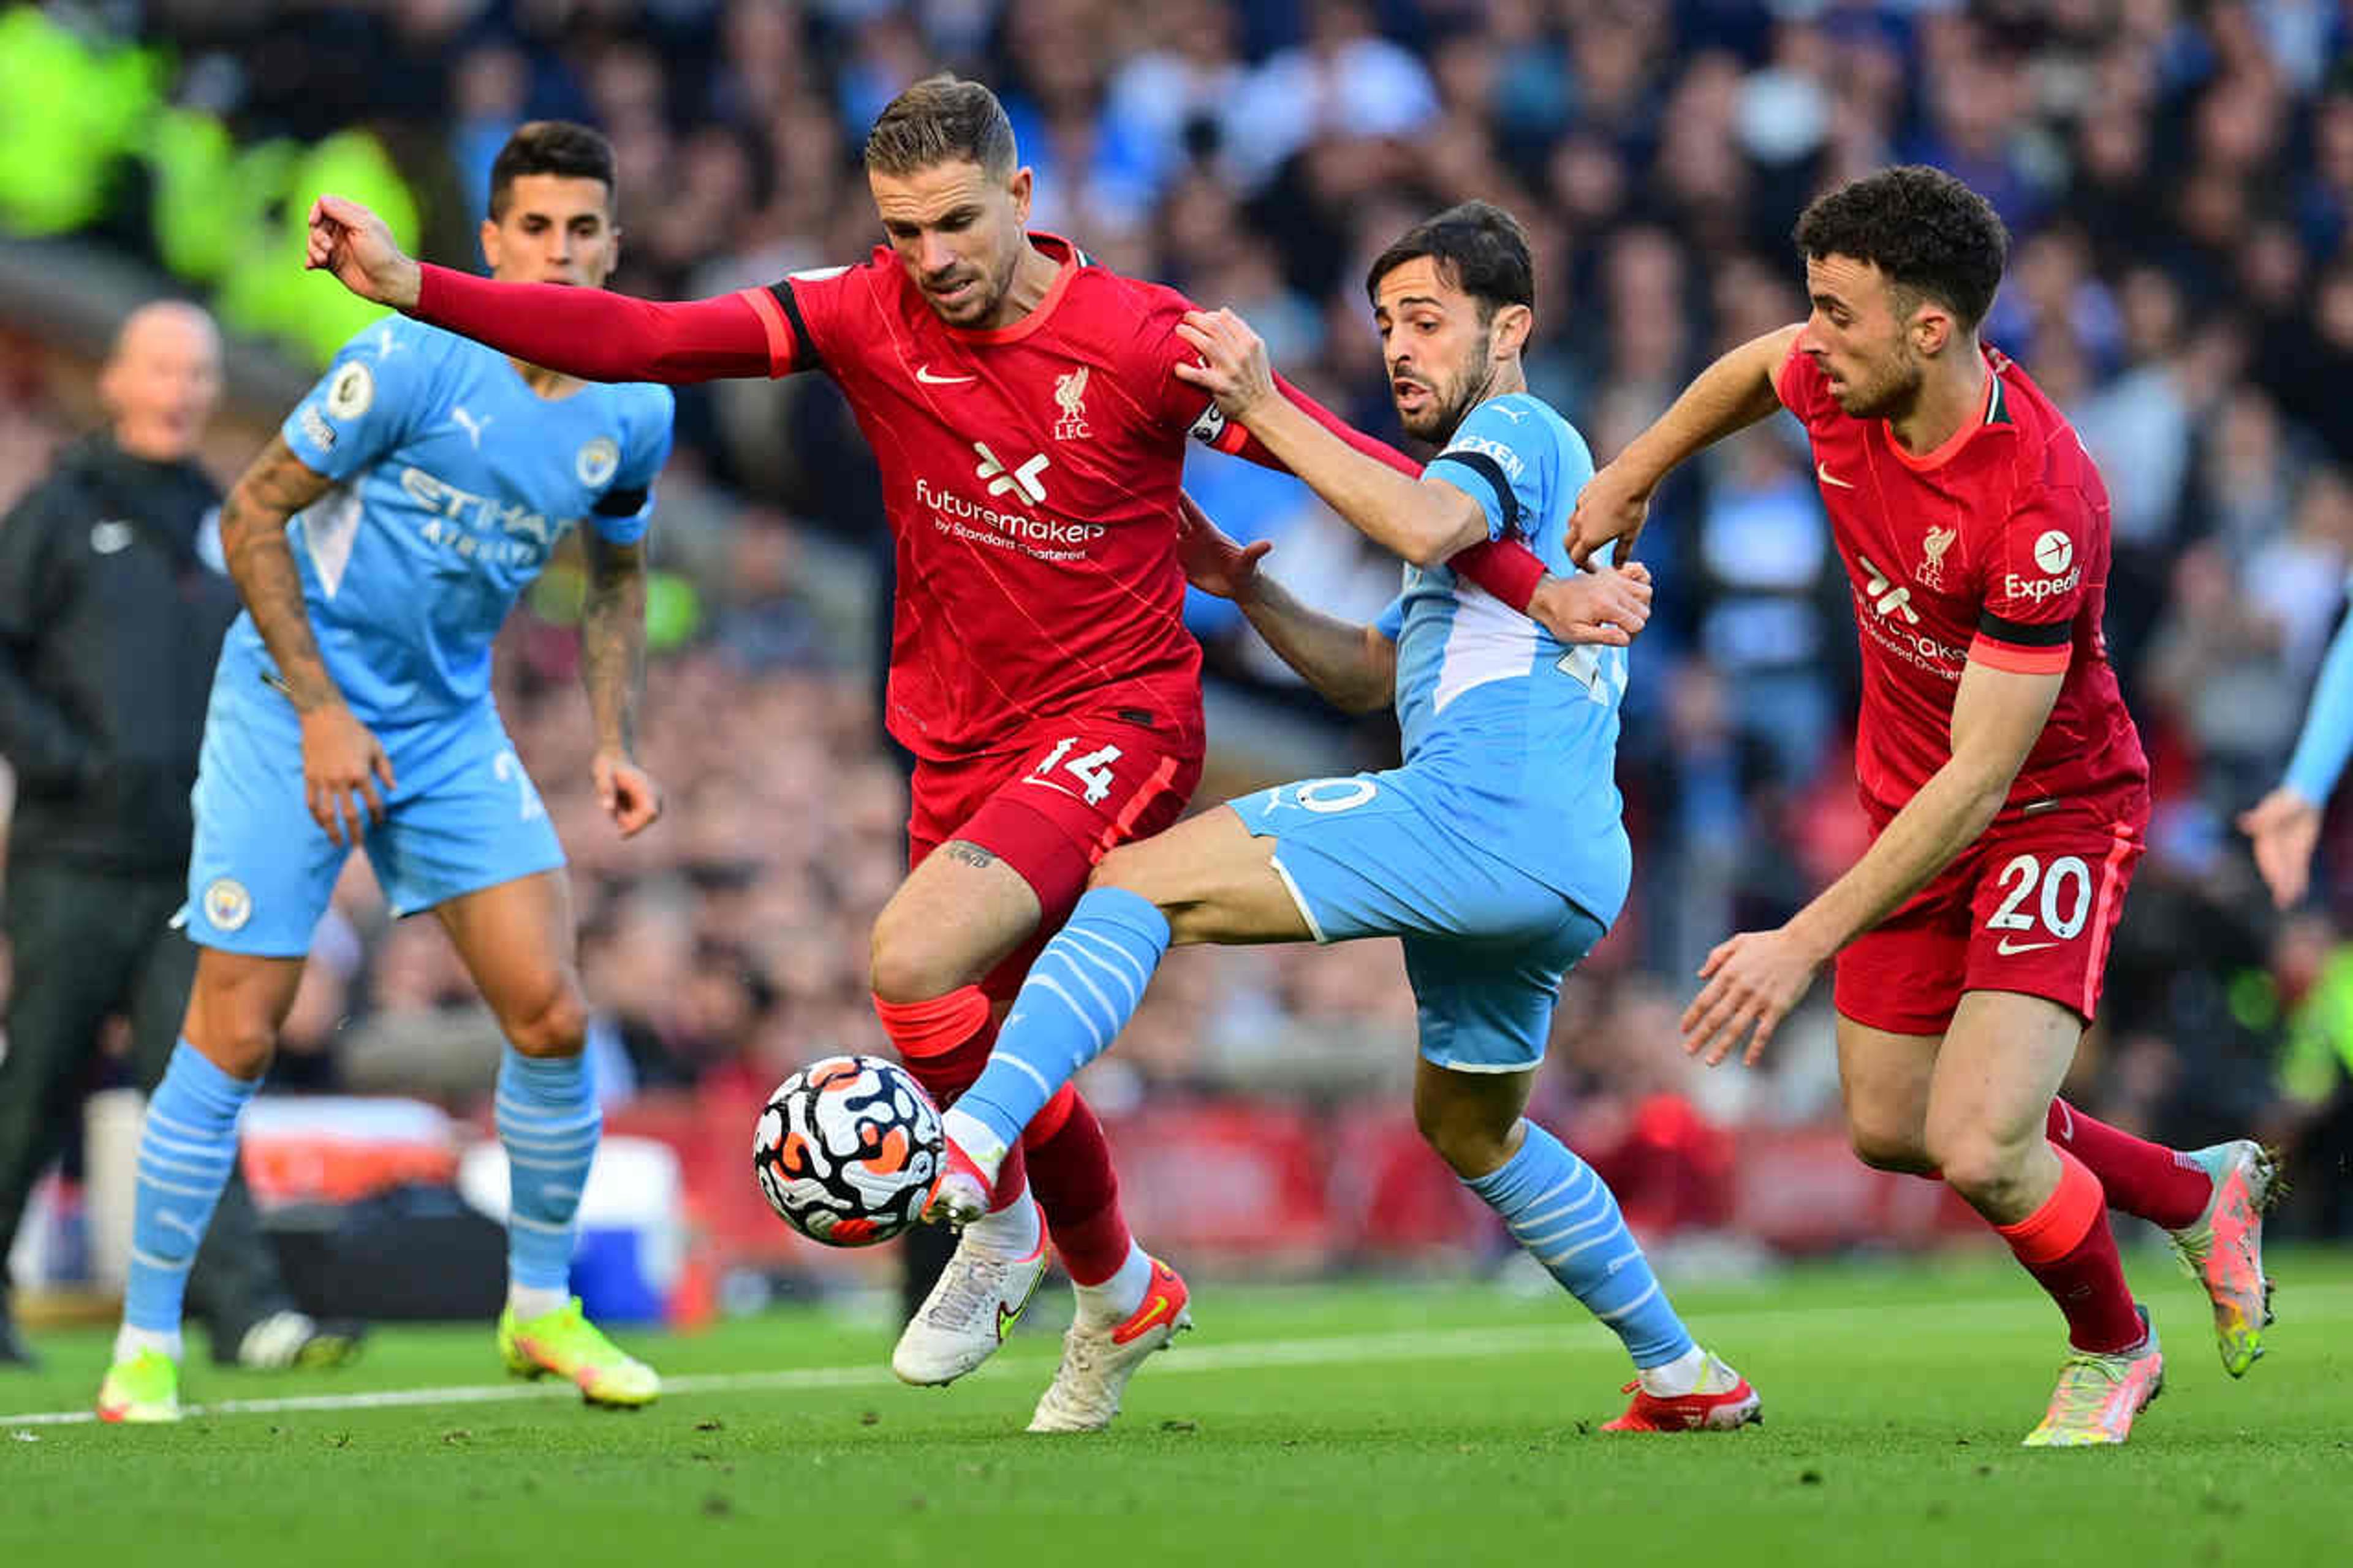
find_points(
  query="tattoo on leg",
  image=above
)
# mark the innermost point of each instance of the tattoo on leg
(968, 853)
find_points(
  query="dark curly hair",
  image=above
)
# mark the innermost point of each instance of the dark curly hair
(1929, 233)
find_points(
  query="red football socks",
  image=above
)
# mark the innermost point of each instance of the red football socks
(2068, 1248)
(2161, 1186)
(1077, 1188)
(946, 1042)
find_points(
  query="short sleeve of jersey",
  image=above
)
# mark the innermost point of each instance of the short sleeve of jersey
(810, 316)
(2034, 583)
(1506, 458)
(626, 508)
(1182, 406)
(369, 402)
(1391, 621)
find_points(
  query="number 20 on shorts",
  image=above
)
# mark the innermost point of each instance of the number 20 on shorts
(2065, 903)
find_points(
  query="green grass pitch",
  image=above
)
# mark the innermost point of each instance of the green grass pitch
(1444, 1424)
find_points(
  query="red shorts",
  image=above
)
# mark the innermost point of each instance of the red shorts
(2031, 907)
(1061, 797)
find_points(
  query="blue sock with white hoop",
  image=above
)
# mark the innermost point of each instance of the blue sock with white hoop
(1080, 994)
(549, 1124)
(187, 1146)
(1560, 1209)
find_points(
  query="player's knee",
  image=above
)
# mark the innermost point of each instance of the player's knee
(233, 1028)
(913, 961)
(1982, 1168)
(1470, 1144)
(555, 1025)
(241, 1046)
(1885, 1145)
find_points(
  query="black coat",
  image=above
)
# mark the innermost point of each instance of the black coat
(113, 602)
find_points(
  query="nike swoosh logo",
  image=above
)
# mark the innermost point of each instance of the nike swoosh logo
(923, 373)
(1152, 1313)
(2006, 947)
(1822, 472)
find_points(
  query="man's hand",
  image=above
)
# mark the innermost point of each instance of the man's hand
(2285, 827)
(1233, 368)
(1610, 605)
(626, 791)
(1754, 978)
(342, 762)
(1214, 561)
(354, 244)
(1614, 504)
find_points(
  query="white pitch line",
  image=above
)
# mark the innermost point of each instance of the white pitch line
(2320, 1303)
(1220, 1358)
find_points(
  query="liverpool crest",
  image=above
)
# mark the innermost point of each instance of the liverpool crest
(1932, 555)
(1070, 393)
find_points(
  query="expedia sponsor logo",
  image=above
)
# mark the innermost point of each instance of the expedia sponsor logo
(2040, 588)
(1209, 425)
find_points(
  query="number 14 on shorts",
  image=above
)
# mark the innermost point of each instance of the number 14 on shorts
(1092, 769)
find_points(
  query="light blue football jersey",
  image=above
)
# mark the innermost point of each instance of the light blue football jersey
(1517, 732)
(454, 482)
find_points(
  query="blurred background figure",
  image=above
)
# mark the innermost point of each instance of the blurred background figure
(113, 598)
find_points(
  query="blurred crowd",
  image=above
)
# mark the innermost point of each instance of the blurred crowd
(2178, 184)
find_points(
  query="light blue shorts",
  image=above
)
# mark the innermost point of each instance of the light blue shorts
(1486, 946)
(463, 815)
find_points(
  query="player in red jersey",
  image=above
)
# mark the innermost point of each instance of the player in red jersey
(2001, 772)
(1031, 437)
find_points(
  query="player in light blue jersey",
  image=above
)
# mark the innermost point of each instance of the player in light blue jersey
(2286, 823)
(1495, 853)
(378, 543)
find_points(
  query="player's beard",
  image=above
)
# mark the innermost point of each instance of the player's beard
(1890, 393)
(1451, 403)
(982, 307)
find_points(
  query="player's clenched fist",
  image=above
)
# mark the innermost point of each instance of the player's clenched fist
(354, 244)
(342, 762)
(1614, 505)
(626, 791)
(1610, 605)
(1234, 368)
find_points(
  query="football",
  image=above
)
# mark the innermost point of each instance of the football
(846, 1151)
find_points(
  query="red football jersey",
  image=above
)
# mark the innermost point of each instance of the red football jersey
(1030, 475)
(1993, 547)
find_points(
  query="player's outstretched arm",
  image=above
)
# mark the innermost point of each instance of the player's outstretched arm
(1755, 978)
(1352, 667)
(592, 333)
(613, 668)
(1505, 567)
(1423, 520)
(341, 761)
(1729, 396)
(2285, 824)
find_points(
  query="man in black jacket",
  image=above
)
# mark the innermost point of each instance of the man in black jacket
(114, 600)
